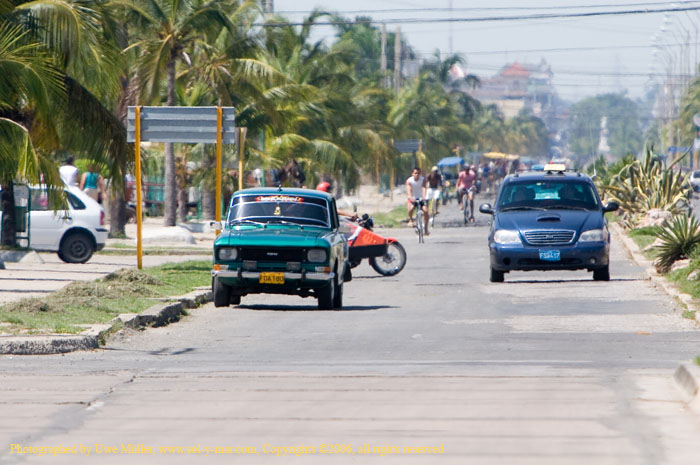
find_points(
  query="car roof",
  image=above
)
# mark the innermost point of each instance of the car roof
(284, 191)
(547, 176)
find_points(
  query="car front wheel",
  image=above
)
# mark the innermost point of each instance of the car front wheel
(76, 247)
(497, 276)
(602, 274)
(222, 293)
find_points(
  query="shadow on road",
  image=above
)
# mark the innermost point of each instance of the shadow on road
(578, 280)
(300, 308)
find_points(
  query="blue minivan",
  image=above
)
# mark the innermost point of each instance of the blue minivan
(549, 220)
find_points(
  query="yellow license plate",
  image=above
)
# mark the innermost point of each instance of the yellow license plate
(271, 278)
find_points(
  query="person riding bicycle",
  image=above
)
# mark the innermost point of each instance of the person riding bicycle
(465, 187)
(325, 186)
(434, 182)
(415, 190)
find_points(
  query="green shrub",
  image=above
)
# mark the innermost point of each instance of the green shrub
(679, 237)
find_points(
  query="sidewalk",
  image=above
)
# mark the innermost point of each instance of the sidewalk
(42, 273)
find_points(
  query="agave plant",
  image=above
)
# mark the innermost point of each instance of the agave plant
(647, 184)
(679, 237)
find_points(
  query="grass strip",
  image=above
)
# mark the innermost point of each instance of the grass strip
(644, 237)
(395, 218)
(127, 290)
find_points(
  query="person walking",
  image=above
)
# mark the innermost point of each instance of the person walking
(434, 181)
(92, 184)
(69, 172)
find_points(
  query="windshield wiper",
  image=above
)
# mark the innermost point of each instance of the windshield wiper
(521, 208)
(276, 221)
(242, 221)
(568, 207)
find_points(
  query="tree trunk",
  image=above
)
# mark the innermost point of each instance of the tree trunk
(9, 222)
(183, 197)
(117, 213)
(208, 203)
(170, 188)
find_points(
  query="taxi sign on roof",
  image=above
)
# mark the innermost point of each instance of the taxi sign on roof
(555, 167)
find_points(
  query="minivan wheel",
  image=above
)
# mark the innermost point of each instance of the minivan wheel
(602, 274)
(497, 276)
(76, 247)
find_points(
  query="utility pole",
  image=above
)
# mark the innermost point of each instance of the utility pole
(382, 61)
(397, 60)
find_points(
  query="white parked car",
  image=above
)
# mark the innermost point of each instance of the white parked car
(695, 180)
(74, 234)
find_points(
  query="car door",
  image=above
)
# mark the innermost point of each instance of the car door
(46, 226)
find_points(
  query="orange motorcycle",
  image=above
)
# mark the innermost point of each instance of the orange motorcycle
(386, 255)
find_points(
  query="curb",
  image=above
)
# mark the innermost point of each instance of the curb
(686, 376)
(685, 300)
(97, 335)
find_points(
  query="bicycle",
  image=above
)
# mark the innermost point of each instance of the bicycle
(468, 205)
(419, 223)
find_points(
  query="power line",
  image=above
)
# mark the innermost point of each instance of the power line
(483, 19)
(520, 8)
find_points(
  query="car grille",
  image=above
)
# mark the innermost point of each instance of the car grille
(272, 254)
(556, 237)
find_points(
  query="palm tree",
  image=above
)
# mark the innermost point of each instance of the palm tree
(45, 100)
(166, 34)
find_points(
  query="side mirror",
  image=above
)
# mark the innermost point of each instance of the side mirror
(611, 207)
(486, 208)
(344, 228)
(216, 225)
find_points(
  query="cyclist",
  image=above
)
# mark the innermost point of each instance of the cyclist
(465, 187)
(415, 190)
(434, 182)
(325, 186)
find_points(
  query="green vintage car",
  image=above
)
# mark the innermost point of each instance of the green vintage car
(281, 241)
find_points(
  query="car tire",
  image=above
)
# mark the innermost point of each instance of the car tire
(235, 299)
(76, 247)
(497, 276)
(338, 297)
(222, 293)
(602, 274)
(326, 296)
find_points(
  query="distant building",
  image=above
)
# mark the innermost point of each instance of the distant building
(519, 86)
(523, 86)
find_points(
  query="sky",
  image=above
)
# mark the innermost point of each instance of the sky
(589, 56)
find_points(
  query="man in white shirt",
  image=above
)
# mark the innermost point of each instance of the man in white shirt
(69, 173)
(415, 190)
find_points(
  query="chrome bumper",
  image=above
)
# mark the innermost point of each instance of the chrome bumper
(240, 274)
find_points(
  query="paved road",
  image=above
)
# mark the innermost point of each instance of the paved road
(547, 368)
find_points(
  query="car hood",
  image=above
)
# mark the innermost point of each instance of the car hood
(274, 237)
(576, 220)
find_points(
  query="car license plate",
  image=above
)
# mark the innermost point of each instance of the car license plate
(550, 255)
(271, 278)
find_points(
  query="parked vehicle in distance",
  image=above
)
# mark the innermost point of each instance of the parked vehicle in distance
(75, 234)
(550, 220)
(281, 241)
(695, 180)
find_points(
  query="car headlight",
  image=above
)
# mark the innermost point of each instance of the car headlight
(594, 235)
(505, 236)
(316, 255)
(228, 253)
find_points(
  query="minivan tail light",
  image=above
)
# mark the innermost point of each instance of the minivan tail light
(102, 217)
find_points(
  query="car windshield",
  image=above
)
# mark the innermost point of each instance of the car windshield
(279, 209)
(555, 194)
